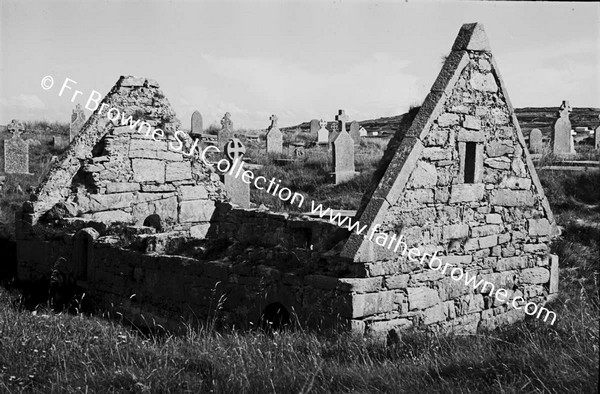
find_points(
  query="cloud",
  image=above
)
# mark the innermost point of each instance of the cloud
(29, 101)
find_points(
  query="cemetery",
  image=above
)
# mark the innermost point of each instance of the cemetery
(299, 239)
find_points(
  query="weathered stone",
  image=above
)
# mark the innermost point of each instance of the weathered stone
(500, 163)
(536, 275)
(512, 198)
(483, 82)
(360, 285)
(513, 182)
(472, 123)
(193, 192)
(445, 120)
(467, 192)
(499, 148)
(536, 144)
(146, 170)
(121, 187)
(470, 136)
(423, 176)
(422, 297)
(178, 171)
(482, 231)
(538, 227)
(511, 263)
(436, 154)
(493, 218)
(104, 202)
(456, 231)
(196, 211)
(434, 314)
(396, 282)
(488, 242)
(369, 304)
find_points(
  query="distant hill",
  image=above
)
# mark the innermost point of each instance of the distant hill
(529, 118)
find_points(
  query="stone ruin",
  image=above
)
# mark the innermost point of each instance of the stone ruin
(149, 233)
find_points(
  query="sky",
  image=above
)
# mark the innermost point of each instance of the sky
(297, 60)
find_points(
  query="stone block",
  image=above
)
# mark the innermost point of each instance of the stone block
(499, 163)
(121, 187)
(382, 328)
(147, 170)
(493, 218)
(193, 193)
(105, 202)
(455, 231)
(499, 148)
(553, 288)
(422, 297)
(488, 242)
(512, 198)
(483, 82)
(368, 304)
(399, 281)
(196, 211)
(538, 227)
(536, 275)
(470, 303)
(360, 285)
(471, 123)
(437, 154)
(470, 136)
(424, 175)
(511, 263)
(482, 231)
(541, 249)
(419, 196)
(445, 120)
(467, 192)
(178, 171)
(514, 182)
(200, 230)
(434, 314)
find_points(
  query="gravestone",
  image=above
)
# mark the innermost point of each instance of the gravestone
(237, 190)
(343, 158)
(274, 137)
(323, 133)
(77, 121)
(362, 131)
(196, 127)
(338, 126)
(536, 144)
(597, 137)
(354, 132)
(561, 138)
(314, 126)
(16, 151)
(226, 132)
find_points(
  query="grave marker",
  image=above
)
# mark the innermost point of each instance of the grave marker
(274, 137)
(226, 132)
(16, 150)
(237, 190)
(77, 121)
(196, 126)
(597, 137)
(354, 132)
(535, 141)
(363, 132)
(314, 126)
(562, 141)
(343, 158)
(323, 133)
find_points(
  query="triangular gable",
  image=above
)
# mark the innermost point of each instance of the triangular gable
(132, 97)
(445, 99)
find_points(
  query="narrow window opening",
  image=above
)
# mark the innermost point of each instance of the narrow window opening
(470, 156)
(154, 221)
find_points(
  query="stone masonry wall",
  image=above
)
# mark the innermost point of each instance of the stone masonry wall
(497, 228)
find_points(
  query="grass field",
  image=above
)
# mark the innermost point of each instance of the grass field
(43, 351)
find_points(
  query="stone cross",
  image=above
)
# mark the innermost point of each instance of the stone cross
(273, 119)
(235, 150)
(343, 158)
(15, 128)
(561, 137)
(314, 126)
(196, 127)
(323, 133)
(16, 151)
(274, 137)
(77, 121)
(226, 122)
(355, 133)
(341, 118)
(535, 141)
(226, 132)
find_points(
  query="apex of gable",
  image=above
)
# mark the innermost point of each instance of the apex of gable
(472, 37)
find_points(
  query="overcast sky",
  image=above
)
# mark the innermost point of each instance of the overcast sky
(297, 60)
